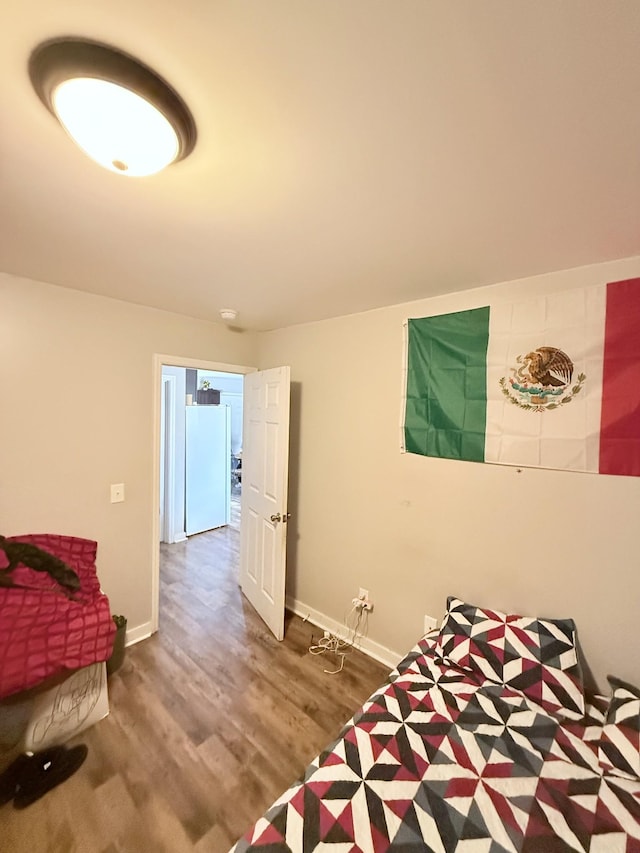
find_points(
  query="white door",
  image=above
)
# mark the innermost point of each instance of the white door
(167, 459)
(265, 468)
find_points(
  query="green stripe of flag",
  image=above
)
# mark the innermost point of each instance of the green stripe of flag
(446, 406)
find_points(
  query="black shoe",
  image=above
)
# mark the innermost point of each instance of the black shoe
(44, 770)
(9, 778)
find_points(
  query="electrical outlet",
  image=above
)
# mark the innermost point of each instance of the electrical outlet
(117, 493)
(430, 623)
(363, 595)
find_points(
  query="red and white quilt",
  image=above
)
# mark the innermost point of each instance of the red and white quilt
(42, 631)
(441, 759)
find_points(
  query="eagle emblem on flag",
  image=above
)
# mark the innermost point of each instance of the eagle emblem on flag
(542, 380)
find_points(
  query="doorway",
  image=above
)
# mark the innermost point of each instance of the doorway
(200, 450)
(165, 509)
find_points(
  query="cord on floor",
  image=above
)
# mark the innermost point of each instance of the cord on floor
(357, 625)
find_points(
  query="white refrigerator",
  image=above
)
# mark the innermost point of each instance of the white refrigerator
(208, 468)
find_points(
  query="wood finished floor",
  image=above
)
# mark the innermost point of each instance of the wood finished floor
(211, 720)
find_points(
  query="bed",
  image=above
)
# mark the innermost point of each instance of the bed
(481, 740)
(43, 631)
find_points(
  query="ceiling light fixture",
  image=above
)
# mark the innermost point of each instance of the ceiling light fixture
(120, 112)
(228, 314)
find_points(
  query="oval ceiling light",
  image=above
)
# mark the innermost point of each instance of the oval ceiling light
(120, 112)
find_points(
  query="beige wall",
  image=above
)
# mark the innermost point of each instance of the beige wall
(413, 530)
(76, 415)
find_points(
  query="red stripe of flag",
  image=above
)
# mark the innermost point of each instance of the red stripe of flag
(620, 421)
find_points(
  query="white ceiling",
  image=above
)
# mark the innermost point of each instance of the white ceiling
(351, 153)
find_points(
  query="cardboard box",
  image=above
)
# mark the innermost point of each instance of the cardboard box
(67, 709)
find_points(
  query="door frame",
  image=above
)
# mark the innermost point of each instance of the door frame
(160, 359)
(168, 463)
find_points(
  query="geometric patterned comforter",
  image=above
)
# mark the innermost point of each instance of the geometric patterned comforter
(440, 760)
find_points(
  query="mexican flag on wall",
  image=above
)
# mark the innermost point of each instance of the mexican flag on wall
(549, 382)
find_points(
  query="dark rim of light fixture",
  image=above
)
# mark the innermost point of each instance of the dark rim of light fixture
(60, 59)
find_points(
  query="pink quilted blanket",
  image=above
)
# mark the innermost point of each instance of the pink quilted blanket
(42, 631)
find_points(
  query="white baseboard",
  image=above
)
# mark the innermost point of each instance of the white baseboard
(140, 632)
(369, 647)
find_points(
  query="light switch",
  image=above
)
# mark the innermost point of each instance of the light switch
(117, 493)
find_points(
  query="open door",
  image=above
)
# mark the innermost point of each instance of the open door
(265, 468)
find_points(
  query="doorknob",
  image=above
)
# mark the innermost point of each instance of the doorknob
(276, 518)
